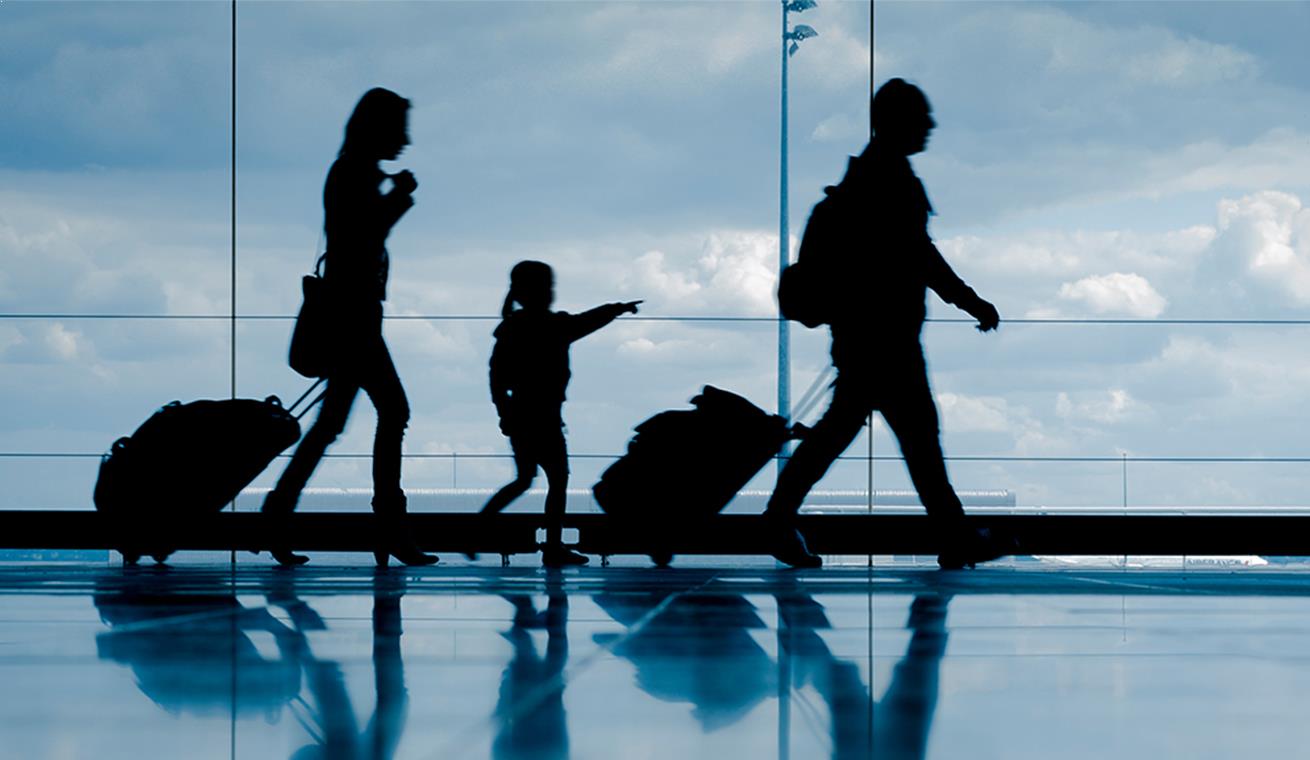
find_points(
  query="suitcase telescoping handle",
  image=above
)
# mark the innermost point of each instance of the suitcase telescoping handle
(810, 399)
(292, 409)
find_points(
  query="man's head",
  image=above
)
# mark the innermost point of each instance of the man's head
(900, 117)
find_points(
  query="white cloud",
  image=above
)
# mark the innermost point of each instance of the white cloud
(1142, 55)
(1116, 293)
(43, 343)
(1005, 425)
(842, 127)
(1064, 253)
(734, 274)
(1033, 253)
(1187, 62)
(1247, 369)
(1269, 233)
(1278, 157)
(971, 414)
(1107, 408)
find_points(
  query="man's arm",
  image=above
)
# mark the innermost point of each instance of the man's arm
(947, 284)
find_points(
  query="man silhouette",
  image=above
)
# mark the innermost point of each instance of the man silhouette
(869, 240)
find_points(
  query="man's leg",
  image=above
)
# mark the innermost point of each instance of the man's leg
(911, 414)
(820, 447)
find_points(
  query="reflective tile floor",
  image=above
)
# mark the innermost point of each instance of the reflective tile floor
(748, 662)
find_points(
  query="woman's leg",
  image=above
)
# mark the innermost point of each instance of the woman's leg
(281, 501)
(331, 420)
(382, 384)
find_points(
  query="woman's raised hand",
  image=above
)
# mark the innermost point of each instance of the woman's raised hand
(404, 181)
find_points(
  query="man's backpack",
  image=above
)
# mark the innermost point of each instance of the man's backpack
(806, 288)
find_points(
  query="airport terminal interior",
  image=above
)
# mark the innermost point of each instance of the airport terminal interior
(1110, 200)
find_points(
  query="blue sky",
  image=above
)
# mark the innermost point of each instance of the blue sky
(1093, 159)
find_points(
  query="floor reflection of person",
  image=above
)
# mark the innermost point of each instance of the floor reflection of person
(897, 727)
(698, 648)
(903, 718)
(338, 735)
(702, 648)
(530, 718)
(185, 648)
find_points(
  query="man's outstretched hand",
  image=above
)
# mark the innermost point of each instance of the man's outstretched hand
(986, 314)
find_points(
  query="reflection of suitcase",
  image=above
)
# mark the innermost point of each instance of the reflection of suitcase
(189, 459)
(691, 463)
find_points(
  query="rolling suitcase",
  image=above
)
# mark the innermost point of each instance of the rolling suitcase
(685, 464)
(188, 460)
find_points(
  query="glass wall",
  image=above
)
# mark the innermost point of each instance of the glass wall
(1124, 181)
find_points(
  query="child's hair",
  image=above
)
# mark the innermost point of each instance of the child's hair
(524, 278)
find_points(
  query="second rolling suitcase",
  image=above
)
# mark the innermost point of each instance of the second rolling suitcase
(691, 463)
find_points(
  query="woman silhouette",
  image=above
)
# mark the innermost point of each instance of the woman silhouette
(357, 218)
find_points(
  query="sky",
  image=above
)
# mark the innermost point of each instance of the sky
(1104, 160)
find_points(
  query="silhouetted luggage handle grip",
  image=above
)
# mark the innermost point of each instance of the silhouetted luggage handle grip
(292, 409)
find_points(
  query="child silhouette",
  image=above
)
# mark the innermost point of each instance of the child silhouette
(529, 373)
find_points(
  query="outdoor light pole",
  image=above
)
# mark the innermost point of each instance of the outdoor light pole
(790, 44)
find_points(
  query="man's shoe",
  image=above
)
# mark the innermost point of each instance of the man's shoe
(790, 549)
(975, 545)
(561, 557)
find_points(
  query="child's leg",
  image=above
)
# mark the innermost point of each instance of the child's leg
(526, 464)
(555, 463)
